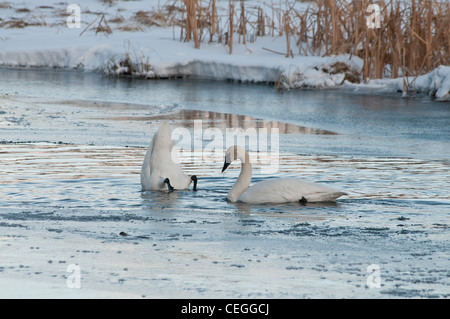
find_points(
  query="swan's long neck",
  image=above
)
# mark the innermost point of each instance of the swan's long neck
(243, 180)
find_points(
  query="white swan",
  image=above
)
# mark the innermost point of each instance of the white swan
(159, 170)
(279, 190)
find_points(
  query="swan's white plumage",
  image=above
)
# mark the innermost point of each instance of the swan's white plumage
(276, 190)
(282, 190)
(159, 163)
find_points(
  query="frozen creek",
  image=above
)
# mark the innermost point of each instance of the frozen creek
(70, 155)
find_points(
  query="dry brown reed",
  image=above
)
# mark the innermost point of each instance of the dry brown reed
(20, 23)
(242, 24)
(261, 31)
(130, 27)
(102, 26)
(191, 22)
(412, 37)
(213, 20)
(231, 32)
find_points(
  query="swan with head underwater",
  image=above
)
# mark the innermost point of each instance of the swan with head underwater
(159, 170)
(277, 190)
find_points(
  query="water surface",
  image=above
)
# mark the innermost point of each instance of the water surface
(71, 148)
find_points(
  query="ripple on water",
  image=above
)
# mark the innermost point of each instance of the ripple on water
(80, 176)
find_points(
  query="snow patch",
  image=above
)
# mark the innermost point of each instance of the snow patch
(435, 83)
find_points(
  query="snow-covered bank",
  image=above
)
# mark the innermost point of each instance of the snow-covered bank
(436, 83)
(45, 40)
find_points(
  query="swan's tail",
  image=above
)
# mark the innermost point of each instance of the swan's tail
(324, 197)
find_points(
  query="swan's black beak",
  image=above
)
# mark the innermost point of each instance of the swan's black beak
(225, 165)
(194, 179)
(167, 181)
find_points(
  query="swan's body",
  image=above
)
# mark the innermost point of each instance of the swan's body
(277, 190)
(159, 167)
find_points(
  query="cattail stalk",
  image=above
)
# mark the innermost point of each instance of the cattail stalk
(230, 40)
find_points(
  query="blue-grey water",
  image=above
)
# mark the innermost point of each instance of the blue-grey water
(71, 149)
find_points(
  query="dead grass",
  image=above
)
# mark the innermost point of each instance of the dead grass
(23, 10)
(343, 68)
(117, 19)
(147, 18)
(413, 37)
(102, 26)
(164, 16)
(125, 67)
(5, 5)
(110, 2)
(130, 27)
(20, 23)
(14, 24)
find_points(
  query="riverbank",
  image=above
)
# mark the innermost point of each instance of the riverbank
(40, 37)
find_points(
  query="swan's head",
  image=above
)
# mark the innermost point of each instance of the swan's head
(234, 153)
(167, 181)
(194, 179)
